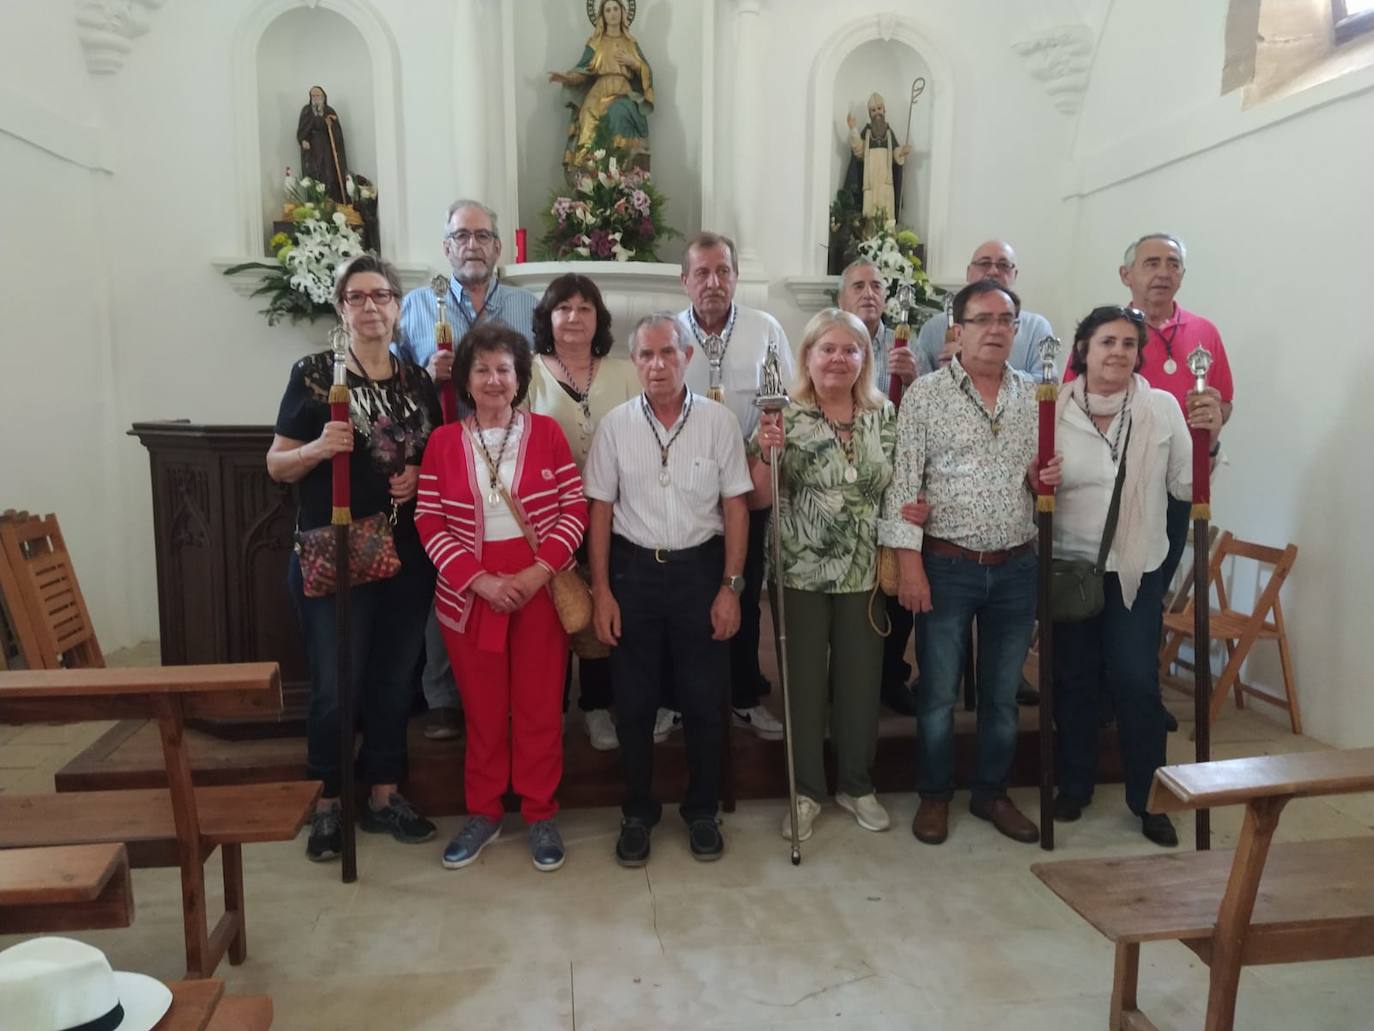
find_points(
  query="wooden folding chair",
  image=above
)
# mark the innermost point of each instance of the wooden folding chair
(1239, 630)
(43, 596)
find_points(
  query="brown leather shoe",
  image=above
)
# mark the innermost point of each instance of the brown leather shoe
(1003, 814)
(931, 824)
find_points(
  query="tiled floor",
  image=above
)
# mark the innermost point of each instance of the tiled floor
(872, 931)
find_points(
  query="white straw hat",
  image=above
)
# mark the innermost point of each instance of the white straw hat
(57, 984)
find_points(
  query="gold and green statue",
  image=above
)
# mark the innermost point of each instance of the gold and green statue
(615, 85)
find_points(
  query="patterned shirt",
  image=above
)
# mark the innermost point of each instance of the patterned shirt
(970, 462)
(830, 526)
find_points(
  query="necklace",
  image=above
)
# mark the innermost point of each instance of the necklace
(702, 337)
(371, 382)
(839, 431)
(1170, 366)
(584, 394)
(664, 478)
(493, 468)
(1113, 444)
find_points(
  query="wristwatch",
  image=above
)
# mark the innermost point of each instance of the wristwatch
(735, 583)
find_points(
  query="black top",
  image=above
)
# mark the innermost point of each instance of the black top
(392, 420)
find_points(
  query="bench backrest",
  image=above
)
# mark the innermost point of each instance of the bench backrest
(1235, 781)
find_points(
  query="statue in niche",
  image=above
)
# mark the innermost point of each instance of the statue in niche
(876, 165)
(615, 107)
(321, 137)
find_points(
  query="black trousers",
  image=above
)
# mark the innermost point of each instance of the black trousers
(745, 677)
(665, 614)
(896, 670)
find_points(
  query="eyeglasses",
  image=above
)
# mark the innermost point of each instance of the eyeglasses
(986, 265)
(1005, 320)
(358, 298)
(463, 236)
(1107, 312)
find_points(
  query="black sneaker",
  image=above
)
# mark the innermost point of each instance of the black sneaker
(632, 847)
(1068, 809)
(399, 819)
(703, 838)
(326, 835)
(1170, 722)
(1027, 695)
(1159, 829)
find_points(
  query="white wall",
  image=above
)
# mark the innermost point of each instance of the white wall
(1269, 211)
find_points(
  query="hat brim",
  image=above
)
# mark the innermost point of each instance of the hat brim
(145, 999)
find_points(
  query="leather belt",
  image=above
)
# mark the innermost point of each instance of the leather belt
(663, 556)
(935, 546)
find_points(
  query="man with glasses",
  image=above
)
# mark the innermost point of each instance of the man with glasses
(472, 245)
(967, 436)
(994, 260)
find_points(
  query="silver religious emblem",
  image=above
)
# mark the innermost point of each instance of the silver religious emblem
(439, 284)
(663, 477)
(1198, 364)
(338, 343)
(906, 300)
(1170, 366)
(714, 348)
(851, 474)
(1049, 351)
(771, 395)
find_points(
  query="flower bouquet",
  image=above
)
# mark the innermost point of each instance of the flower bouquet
(300, 283)
(612, 213)
(894, 250)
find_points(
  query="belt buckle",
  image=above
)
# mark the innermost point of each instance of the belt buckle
(659, 556)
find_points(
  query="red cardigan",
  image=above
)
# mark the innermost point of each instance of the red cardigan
(449, 517)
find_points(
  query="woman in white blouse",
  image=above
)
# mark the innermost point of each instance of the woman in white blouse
(575, 382)
(1107, 415)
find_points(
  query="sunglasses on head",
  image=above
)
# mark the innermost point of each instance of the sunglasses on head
(1107, 312)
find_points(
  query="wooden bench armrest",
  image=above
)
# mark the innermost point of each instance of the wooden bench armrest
(1235, 781)
(74, 695)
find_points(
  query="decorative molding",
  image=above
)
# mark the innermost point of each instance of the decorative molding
(1061, 58)
(107, 29)
(887, 25)
(811, 293)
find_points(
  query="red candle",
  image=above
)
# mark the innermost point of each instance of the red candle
(519, 246)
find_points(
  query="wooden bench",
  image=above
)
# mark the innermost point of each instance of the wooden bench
(179, 825)
(68, 888)
(1252, 905)
(203, 1006)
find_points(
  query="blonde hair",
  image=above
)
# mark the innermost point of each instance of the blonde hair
(866, 393)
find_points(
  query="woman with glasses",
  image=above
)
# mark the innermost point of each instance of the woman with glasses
(392, 411)
(575, 382)
(835, 445)
(1109, 416)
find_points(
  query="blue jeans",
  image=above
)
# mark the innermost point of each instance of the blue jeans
(388, 631)
(1002, 598)
(1116, 651)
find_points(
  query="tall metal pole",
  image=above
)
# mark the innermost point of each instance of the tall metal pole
(772, 398)
(1046, 395)
(1199, 361)
(342, 520)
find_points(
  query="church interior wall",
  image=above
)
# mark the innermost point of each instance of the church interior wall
(115, 301)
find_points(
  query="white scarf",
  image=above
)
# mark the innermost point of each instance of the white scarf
(1129, 543)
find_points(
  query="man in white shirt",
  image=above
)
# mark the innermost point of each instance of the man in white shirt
(710, 273)
(993, 260)
(666, 477)
(967, 436)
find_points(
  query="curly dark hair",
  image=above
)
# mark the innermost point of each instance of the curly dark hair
(1096, 319)
(484, 338)
(565, 287)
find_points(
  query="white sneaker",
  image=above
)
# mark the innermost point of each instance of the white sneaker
(664, 724)
(760, 721)
(866, 809)
(807, 811)
(601, 730)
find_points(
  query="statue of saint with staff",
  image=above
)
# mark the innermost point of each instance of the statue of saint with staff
(322, 145)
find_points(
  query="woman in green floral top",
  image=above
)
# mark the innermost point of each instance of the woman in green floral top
(836, 443)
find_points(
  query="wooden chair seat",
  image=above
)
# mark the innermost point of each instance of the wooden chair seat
(1224, 623)
(228, 815)
(67, 888)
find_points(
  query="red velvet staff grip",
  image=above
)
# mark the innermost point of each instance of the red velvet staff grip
(448, 393)
(341, 488)
(895, 386)
(1046, 395)
(1202, 473)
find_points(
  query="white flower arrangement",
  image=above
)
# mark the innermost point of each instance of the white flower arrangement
(893, 250)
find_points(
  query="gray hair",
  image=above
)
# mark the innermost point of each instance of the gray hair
(465, 202)
(659, 318)
(1129, 258)
(854, 266)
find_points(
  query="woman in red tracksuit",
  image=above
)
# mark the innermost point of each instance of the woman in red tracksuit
(507, 646)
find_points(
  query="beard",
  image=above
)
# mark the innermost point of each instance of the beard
(879, 124)
(317, 107)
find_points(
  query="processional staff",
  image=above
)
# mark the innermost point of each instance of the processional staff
(443, 340)
(772, 398)
(342, 518)
(1199, 361)
(1046, 396)
(901, 337)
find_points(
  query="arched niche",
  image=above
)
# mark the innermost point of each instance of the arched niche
(281, 48)
(858, 59)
